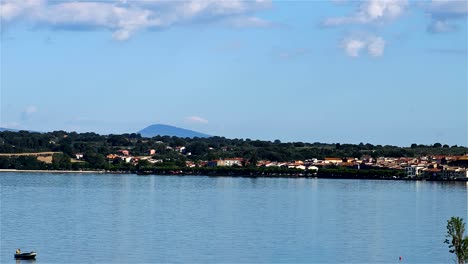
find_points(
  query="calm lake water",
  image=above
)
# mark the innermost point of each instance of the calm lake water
(96, 218)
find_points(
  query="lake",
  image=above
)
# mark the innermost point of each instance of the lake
(104, 218)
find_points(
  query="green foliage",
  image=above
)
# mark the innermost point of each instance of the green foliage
(95, 147)
(61, 161)
(197, 148)
(458, 244)
(5, 163)
(22, 163)
(143, 165)
(96, 160)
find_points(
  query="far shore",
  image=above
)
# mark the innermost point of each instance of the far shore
(62, 171)
(285, 175)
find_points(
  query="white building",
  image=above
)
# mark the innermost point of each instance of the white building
(180, 149)
(127, 159)
(414, 171)
(455, 173)
(232, 162)
(299, 167)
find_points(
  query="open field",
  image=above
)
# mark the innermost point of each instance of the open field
(56, 171)
(47, 153)
(45, 157)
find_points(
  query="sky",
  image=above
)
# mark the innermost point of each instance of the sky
(389, 72)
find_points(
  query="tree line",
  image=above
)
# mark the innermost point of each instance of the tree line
(95, 147)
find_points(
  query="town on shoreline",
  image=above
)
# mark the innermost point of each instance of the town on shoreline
(61, 151)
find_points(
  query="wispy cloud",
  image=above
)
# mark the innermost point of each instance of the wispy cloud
(441, 26)
(228, 46)
(371, 11)
(340, 2)
(9, 124)
(368, 12)
(445, 13)
(196, 120)
(125, 18)
(354, 45)
(292, 54)
(447, 9)
(28, 112)
(249, 21)
(375, 46)
(458, 52)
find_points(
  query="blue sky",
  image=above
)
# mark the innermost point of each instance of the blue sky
(375, 71)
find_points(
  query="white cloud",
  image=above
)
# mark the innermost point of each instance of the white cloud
(456, 52)
(340, 2)
(292, 54)
(229, 46)
(354, 45)
(440, 26)
(444, 13)
(371, 11)
(124, 18)
(368, 12)
(444, 9)
(376, 46)
(243, 22)
(12, 9)
(30, 109)
(28, 112)
(196, 119)
(9, 124)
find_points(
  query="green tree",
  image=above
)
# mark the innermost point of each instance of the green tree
(5, 163)
(61, 161)
(197, 148)
(457, 243)
(96, 161)
(143, 164)
(253, 159)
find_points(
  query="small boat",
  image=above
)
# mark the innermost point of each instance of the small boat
(26, 255)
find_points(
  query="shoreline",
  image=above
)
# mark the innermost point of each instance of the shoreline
(229, 175)
(62, 171)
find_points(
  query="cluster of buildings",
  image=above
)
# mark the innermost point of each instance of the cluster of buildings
(438, 167)
(125, 156)
(435, 167)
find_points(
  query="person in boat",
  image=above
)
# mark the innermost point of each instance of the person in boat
(18, 251)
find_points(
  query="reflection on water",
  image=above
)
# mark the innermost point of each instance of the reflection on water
(417, 185)
(223, 219)
(25, 261)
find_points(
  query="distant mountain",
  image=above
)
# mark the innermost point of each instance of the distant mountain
(165, 130)
(8, 129)
(15, 130)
